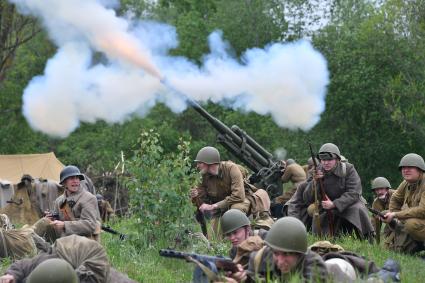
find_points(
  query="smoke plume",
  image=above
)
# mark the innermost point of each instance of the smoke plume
(287, 81)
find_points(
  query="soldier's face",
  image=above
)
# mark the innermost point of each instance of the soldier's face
(410, 174)
(72, 184)
(381, 193)
(213, 169)
(238, 236)
(328, 164)
(285, 261)
(202, 167)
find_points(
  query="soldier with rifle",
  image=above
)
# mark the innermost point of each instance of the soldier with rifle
(335, 195)
(382, 190)
(407, 207)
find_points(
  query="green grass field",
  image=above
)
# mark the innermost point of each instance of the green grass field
(145, 264)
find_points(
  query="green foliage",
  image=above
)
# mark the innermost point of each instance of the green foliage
(159, 186)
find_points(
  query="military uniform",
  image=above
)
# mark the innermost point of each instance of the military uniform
(294, 173)
(343, 187)
(105, 210)
(297, 206)
(408, 203)
(381, 205)
(87, 257)
(310, 267)
(225, 189)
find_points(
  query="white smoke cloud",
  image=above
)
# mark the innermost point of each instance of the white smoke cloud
(287, 81)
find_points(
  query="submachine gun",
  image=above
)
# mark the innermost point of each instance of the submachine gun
(267, 171)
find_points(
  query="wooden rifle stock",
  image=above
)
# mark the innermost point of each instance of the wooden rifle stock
(322, 192)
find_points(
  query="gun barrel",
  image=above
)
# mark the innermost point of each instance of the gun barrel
(237, 139)
(255, 145)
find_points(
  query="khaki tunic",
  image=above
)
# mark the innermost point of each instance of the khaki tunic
(380, 205)
(225, 189)
(85, 211)
(310, 267)
(241, 253)
(408, 203)
(345, 191)
(295, 174)
(105, 210)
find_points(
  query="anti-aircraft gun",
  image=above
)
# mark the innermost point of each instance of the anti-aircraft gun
(267, 171)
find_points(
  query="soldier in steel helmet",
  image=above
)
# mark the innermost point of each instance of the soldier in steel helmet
(382, 190)
(342, 209)
(407, 206)
(76, 211)
(285, 256)
(222, 185)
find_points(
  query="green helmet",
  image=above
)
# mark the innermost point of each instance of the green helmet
(233, 219)
(53, 270)
(290, 161)
(330, 148)
(380, 182)
(288, 234)
(412, 159)
(70, 171)
(208, 155)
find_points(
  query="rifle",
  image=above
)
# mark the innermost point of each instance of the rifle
(221, 263)
(114, 232)
(393, 222)
(267, 171)
(322, 192)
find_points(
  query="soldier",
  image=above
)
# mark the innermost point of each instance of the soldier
(342, 209)
(222, 185)
(86, 257)
(284, 256)
(236, 227)
(105, 208)
(308, 168)
(295, 174)
(407, 206)
(382, 189)
(77, 210)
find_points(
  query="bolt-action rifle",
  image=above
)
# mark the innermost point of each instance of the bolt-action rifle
(320, 189)
(267, 171)
(219, 263)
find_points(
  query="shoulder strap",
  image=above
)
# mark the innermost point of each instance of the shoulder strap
(344, 169)
(257, 259)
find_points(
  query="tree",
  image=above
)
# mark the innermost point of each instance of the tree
(15, 30)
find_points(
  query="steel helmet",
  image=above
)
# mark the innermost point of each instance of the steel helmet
(412, 159)
(208, 155)
(380, 182)
(288, 234)
(290, 161)
(70, 171)
(330, 148)
(52, 271)
(233, 219)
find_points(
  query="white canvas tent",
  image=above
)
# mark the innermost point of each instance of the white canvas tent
(44, 165)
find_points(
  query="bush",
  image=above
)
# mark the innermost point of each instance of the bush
(159, 189)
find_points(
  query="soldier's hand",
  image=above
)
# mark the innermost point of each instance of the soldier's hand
(207, 207)
(388, 217)
(239, 276)
(7, 278)
(194, 192)
(328, 204)
(317, 174)
(59, 225)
